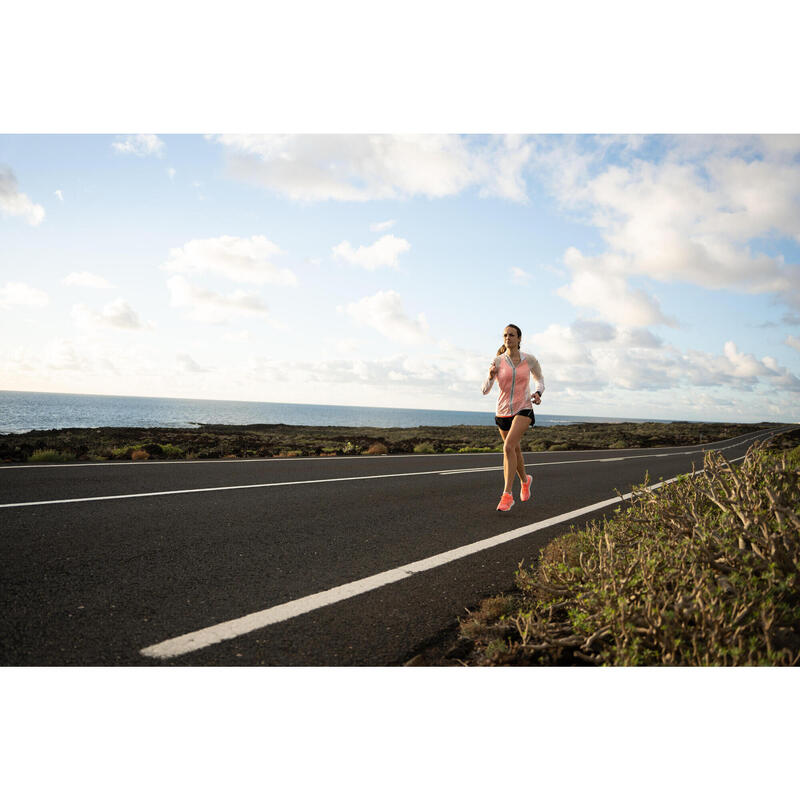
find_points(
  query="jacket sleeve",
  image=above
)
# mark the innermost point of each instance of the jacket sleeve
(489, 382)
(536, 371)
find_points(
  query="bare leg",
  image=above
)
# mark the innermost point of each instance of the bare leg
(520, 467)
(513, 463)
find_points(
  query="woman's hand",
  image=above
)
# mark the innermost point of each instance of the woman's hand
(536, 398)
(492, 372)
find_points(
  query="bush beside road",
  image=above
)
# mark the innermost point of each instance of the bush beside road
(702, 572)
(292, 441)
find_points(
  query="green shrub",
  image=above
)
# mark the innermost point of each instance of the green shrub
(618, 445)
(562, 446)
(493, 449)
(704, 571)
(424, 447)
(50, 457)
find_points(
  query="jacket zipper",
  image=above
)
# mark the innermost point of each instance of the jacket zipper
(513, 382)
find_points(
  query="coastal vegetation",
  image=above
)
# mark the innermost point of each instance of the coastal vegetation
(292, 441)
(703, 571)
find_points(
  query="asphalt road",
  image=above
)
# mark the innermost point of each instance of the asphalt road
(99, 562)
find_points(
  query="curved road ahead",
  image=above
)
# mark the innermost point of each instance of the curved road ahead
(338, 561)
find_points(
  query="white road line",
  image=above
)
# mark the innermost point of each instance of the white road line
(214, 489)
(333, 480)
(223, 631)
(265, 485)
(571, 461)
(233, 461)
(189, 642)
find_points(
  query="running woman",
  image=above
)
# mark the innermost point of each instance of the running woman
(513, 370)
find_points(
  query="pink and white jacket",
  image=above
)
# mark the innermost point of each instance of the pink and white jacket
(514, 383)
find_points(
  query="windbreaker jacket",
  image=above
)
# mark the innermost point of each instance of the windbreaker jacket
(514, 383)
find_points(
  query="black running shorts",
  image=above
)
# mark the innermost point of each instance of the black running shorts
(504, 423)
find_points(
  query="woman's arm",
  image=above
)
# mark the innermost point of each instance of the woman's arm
(489, 382)
(536, 371)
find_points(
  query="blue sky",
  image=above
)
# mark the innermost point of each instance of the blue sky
(653, 276)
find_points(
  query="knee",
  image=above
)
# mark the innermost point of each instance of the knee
(509, 449)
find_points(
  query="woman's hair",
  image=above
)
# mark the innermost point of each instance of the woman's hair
(519, 336)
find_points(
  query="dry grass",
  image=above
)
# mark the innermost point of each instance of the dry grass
(705, 571)
(50, 457)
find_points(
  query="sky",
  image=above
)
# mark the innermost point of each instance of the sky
(653, 276)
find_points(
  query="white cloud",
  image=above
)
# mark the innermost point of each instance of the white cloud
(743, 365)
(520, 277)
(595, 286)
(208, 306)
(140, 144)
(384, 312)
(780, 377)
(499, 168)
(59, 194)
(60, 354)
(187, 364)
(586, 330)
(14, 203)
(241, 260)
(641, 337)
(382, 226)
(86, 279)
(237, 336)
(557, 344)
(592, 356)
(347, 347)
(792, 341)
(695, 215)
(444, 380)
(117, 314)
(382, 253)
(632, 370)
(734, 369)
(361, 167)
(171, 172)
(21, 294)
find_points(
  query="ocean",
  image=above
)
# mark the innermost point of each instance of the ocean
(25, 411)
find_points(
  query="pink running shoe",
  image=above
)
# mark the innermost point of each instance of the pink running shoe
(525, 493)
(506, 501)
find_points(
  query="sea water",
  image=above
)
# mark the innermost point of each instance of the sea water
(25, 411)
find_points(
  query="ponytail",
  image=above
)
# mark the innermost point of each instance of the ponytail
(501, 350)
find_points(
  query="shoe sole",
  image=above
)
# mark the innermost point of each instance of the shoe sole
(505, 509)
